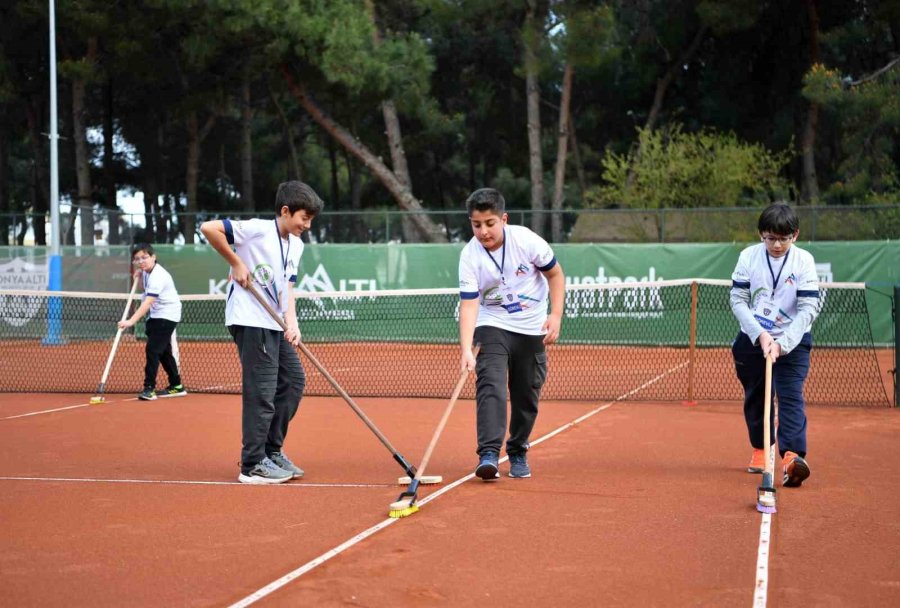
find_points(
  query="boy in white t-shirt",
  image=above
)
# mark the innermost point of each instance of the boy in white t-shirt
(161, 301)
(267, 253)
(775, 297)
(505, 274)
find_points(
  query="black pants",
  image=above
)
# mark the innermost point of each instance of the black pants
(159, 350)
(273, 383)
(788, 376)
(519, 362)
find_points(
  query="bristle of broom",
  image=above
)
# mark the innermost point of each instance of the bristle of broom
(425, 480)
(402, 508)
(97, 399)
(765, 496)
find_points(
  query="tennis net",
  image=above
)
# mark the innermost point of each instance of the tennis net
(666, 340)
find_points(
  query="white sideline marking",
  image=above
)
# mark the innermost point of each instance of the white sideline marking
(299, 484)
(294, 574)
(58, 409)
(88, 404)
(762, 561)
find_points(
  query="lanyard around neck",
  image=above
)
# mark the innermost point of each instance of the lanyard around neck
(772, 272)
(502, 257)
(284, 252)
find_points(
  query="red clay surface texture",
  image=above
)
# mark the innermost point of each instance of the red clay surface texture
(641, 504)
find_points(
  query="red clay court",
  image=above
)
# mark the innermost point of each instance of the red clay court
(631, 504)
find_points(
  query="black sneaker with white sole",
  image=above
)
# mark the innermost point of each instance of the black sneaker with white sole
(177, 390)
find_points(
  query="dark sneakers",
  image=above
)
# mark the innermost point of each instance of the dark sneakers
(796, 470)
(488, 467)
(177, 390)
(148, 394)
(518, 466)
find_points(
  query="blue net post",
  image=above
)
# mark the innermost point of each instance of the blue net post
(54, 304)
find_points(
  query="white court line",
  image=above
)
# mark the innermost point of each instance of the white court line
(204, 390)
(762, 561)
(58, 409)
(299, 484)
(294, 574)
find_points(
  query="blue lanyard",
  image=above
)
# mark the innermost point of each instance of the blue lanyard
(772, 272)
(284, 257)
(502, 257)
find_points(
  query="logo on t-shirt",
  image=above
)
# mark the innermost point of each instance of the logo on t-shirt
(522, 269)
(264, 275)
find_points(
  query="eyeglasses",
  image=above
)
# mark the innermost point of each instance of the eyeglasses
(140, 259)
(782, 240)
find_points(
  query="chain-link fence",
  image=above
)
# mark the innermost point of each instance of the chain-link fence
(817, 223)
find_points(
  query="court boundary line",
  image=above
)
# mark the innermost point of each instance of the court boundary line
(358, 538)
(298, 484)
(760, 592)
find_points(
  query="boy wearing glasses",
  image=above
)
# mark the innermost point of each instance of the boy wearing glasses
(775, 297)
(161, 301)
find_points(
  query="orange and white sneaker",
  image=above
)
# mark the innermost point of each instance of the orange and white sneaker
(758, 460)
(796, 470)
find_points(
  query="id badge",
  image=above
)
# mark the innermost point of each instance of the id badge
(510, 299)
(766, 312)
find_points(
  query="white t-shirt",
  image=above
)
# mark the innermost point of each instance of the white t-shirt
(514, 299)
(777, 295)
(158, 283)
(273, 263)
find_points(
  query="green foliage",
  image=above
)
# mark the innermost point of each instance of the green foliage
(868, 118)
(702, 169)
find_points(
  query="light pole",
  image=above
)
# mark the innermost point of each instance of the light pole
(54, 262)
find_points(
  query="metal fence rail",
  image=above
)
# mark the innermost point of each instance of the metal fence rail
(818, 223)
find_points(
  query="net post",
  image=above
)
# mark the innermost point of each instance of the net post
(54, 304)
(896, 343)
(692, 348)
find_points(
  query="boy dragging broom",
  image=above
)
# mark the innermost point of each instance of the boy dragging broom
(505, 275)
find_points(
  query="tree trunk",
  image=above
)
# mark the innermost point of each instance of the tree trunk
(556, 223)
(576, 158)
(288, 135)
(151, 196)
(360, 231)
(40, 195)
(533, 100)
(192, 176)
(809, 190)
(246, 142)
(430, 231)
(395, 138)
(160, 201)
(83, 201)
(662, 86)
(110, 189)
(5, 207)
(335, 230)
(195, 135)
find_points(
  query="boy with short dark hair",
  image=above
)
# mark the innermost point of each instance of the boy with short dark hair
(267, 253)
(505, 274)
(161, 304)
(775, 297)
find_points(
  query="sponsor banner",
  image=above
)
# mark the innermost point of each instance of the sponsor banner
(198, 269)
